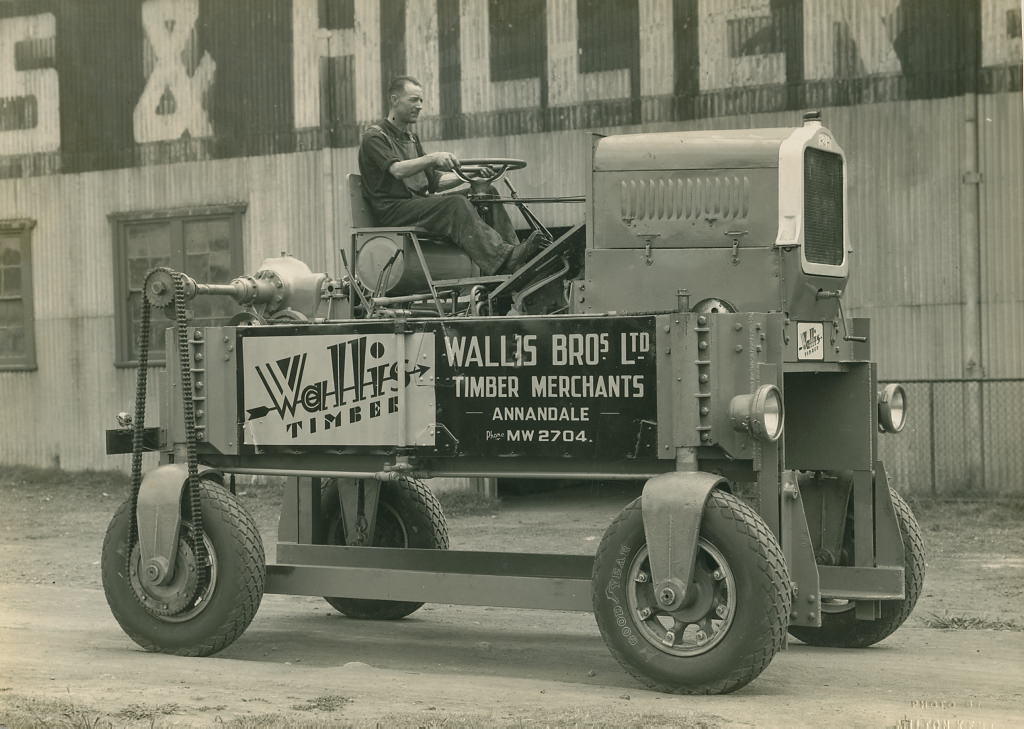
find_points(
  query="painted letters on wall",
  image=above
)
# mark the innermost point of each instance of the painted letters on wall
(173, 101)
(99, 82)
(29, 90)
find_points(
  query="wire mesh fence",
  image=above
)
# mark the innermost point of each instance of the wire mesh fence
(963, 437)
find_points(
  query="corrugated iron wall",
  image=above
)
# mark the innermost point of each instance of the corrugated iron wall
(272, 101)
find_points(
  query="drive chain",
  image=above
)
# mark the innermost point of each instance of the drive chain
(139, 426)
(188, 410)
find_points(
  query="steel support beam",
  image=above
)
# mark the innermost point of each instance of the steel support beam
(861, 583)
(499, 579)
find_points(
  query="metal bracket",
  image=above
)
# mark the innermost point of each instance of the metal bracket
(158, 515)
(798, 549)
(736, 235)
(672, 505)
(358, 499)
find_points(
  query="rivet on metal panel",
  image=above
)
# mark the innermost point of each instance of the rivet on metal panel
(679, 379)
(705, 437)
(704, 411)
(703, 344)
(668, 328)
(704, 378)
(739, 347)
(738, 327)
(702, 320)
(668, 350)
(197, 335)
(759, 348)
(199, 385)
(810, 598)
(226, 340)
(198, 356)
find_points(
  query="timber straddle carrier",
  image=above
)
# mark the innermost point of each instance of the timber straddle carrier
(688, 333)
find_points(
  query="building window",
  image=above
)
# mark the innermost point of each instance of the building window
(205, 243)
(17, 320)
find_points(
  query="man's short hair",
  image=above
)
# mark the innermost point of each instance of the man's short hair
(397, 85)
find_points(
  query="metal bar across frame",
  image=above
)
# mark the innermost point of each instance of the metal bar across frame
(499, 579)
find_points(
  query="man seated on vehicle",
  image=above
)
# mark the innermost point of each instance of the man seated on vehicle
(400, 183)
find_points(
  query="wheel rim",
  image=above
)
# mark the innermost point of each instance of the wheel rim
(152, 598)
(703, 620)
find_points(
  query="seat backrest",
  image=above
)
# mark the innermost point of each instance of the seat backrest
(362, 216)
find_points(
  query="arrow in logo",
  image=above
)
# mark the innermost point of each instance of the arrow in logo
(259, 412)
(418, 370)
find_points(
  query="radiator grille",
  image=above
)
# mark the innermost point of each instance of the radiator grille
(823, 207)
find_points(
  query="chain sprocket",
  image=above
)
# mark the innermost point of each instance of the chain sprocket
(158, 288)
(177, 595)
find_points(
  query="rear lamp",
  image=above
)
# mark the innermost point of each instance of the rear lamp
(760, 413)
(892, 408)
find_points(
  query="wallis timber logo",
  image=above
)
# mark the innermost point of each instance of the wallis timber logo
(810, 340)
(317, 389)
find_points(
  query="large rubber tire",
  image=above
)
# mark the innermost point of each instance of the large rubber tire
(842, 629)
(743, 553)
(234, 594)
(408, 516)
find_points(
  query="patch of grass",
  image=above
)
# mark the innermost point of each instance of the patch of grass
(465, 502)
(575, 719)
(968, 622)
(972, 508)
(323, 703)
(135, 712)
(25, 713)
(32, 476)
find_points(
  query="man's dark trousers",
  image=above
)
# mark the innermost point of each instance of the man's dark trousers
(455, 217)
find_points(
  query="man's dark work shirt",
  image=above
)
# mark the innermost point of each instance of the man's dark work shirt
(382, 145)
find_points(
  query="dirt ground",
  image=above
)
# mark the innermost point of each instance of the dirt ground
(65, 662)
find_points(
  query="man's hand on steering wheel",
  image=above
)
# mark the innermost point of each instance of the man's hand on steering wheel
(444, 161)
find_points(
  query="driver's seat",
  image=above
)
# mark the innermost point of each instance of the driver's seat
(388, 259)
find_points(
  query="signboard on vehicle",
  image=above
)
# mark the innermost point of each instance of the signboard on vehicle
(338, 389)
(549, 387)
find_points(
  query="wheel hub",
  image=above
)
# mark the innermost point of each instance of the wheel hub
(185, 595)
(699, 598)
(704, 617)
(177, 594)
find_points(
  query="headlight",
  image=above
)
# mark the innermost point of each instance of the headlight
(892, 408)
(760, 413)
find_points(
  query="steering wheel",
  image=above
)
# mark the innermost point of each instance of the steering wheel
(475, 171)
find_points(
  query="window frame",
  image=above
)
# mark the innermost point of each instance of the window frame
(125, 355)
(23, 227)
